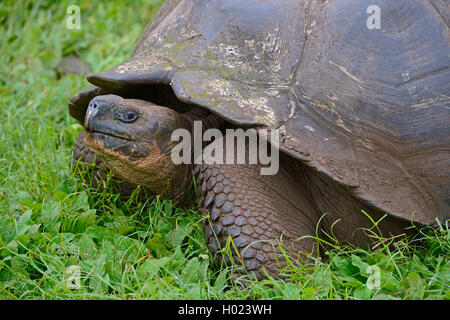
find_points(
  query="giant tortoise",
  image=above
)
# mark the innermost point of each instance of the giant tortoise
(362, 113)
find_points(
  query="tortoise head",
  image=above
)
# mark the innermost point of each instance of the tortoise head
(133, 138)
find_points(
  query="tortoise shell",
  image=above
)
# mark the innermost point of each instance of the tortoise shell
(367, 107)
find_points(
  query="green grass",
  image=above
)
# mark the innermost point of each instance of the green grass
(50, 219)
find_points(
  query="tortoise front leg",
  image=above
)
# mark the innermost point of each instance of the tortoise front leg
(254, 211)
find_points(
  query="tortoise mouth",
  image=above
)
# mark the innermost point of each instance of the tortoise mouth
(100, 132)
(105, 130)
(113, 145)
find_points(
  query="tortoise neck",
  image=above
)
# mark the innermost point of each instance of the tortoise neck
(181, 189)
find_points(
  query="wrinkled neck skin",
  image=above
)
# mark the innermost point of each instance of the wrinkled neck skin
(181, 188)
(157, 173)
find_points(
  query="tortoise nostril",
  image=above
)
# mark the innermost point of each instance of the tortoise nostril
(92, 105)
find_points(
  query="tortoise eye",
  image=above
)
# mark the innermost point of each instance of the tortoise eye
(127, 117)
(131, 116)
